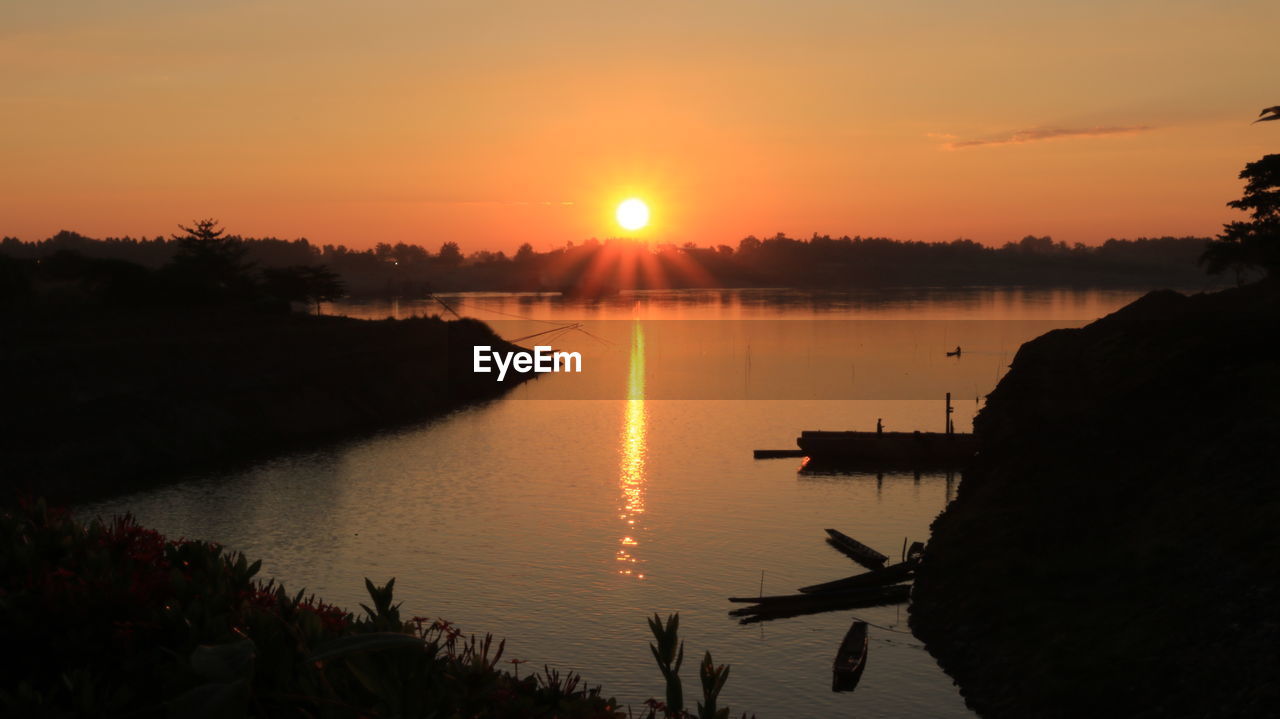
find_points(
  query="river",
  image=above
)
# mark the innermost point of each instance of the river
(564, 514)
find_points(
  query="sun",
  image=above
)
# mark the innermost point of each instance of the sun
(633, 214)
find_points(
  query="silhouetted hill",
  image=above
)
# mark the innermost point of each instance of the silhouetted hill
(1114, 552)
(103, 398)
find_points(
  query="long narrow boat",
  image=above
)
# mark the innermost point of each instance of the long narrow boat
(855, 550)
(797, 604)
(897, 594)
(851, 658)
(809, 597)
(892, 574)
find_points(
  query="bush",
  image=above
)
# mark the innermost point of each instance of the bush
(112, 619)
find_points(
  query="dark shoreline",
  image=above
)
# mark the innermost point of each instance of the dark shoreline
(1112, 551)
(105, 402)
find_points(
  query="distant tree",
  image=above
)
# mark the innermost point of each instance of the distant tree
(409, 254)
(450, 254)
(1036, 245)
(208, 257)
(312, 284)
(1255, 243)
(486, 256)
(525, 253)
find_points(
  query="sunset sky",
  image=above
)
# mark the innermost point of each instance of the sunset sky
(497, 123)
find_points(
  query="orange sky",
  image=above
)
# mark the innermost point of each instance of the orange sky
(496, 123)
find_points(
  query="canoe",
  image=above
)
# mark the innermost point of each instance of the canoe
(855, 550)
(850, 659)
(897, 594)
(768, 608)
(892, 574)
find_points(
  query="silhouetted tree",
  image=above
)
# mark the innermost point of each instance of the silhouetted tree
(207, 258)
(312, 284)
(450, 254)
(1256, 243)
(525, 253)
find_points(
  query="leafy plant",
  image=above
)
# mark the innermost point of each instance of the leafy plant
(669, 659)
(713, 678)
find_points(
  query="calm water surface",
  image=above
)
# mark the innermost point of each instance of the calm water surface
(564, 514)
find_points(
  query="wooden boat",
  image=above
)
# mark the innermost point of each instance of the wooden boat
(809, 597)
(897, 594)
(954, 354)
(892, 574)
(850, 659)
(855, 550)
(915, 553)
(889, 450)
(777, 453)
(794, 605)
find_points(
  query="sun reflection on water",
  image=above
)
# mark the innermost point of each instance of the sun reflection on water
(631, 473)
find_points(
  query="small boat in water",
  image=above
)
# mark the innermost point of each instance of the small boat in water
(855, 550)
(892, 574)
(766, 609)
(915, 553)
(851, 659)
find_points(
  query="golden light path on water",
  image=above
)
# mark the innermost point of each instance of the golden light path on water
(631, 473)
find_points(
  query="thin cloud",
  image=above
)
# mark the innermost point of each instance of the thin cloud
(454, 201)
(1040, 134)
(442, 201)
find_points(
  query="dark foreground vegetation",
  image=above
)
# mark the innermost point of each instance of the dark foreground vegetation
(1114, 552)
(820, 261)
(113, 620)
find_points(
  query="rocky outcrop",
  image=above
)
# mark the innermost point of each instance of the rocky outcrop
(1115, 549)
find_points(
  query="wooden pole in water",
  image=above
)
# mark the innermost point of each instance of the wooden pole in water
(948, 425)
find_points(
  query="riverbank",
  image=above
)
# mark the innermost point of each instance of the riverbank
(107, 400)
(1113, 552)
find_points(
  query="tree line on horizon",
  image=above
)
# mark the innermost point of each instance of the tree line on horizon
(202, 266)
(404, 269)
